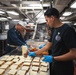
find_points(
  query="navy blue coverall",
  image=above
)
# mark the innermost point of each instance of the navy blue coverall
(14, 38)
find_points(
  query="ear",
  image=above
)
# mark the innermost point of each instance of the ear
(52, 18)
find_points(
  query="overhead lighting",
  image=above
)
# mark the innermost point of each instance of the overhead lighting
(15, 20)
(3, 19)
(41, 0)
(62, 18)
(73, 5)
(35, 5)
(13, 12)
(1, 12)
(39, 5)
(9, 17)
(66, 22)
(74, 23)
(14, 5)
(67, 13)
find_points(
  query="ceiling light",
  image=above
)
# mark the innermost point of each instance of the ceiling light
(66, 22)
(15, 20)
(35, 5)
(1, 12)
(67, 13)
(73, 5)
(74, 23)
(13, 12)
(39, 5)
(62, 18)
(3, 19)
(41, 0)
(14, 5)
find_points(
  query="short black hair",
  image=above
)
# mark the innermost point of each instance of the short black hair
(52, 12)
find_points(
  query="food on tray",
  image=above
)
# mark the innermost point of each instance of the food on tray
(33, 73)
(43, 73)
(26, 64)
(2, 71)
(1, 63)
(42, 68)
(14, 66)
(12, 72)
(35, 68)
(21, 72)
(5, 66)
(44, 64)
(35, 64)
(25, 68)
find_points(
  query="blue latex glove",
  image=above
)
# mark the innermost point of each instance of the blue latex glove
(41, 46)
(48, 58)
(32, 54)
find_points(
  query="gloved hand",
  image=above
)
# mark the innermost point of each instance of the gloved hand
(48, 58)
(32, 54)
(41, 46)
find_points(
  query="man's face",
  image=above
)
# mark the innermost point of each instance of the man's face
(20, 28)
(50, 21)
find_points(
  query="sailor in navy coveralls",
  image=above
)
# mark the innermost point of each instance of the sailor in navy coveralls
(15, 36)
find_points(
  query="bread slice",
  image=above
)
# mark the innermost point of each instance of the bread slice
(13, 66)
(35, 64)
(12, 72)
(21, 72)
(2, 71)
(27, 60)
(33, 73)
(25, 68)
(26, 64)
(36, 60)
(35, 68)
(42, 68)
(15, 60)
(44, 64)
(10, 59)
(5, 66)
(1, 63)
(9, 63)
(43, 73)
(19, 63)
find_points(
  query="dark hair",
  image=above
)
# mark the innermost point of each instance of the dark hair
(52, 11)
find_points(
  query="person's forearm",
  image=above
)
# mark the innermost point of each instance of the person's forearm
(68, 56)
(45, 48)
(42, 50)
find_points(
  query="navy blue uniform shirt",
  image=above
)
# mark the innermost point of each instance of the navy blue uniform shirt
(15, 38)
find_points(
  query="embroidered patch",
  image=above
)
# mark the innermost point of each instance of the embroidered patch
(57, 38)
